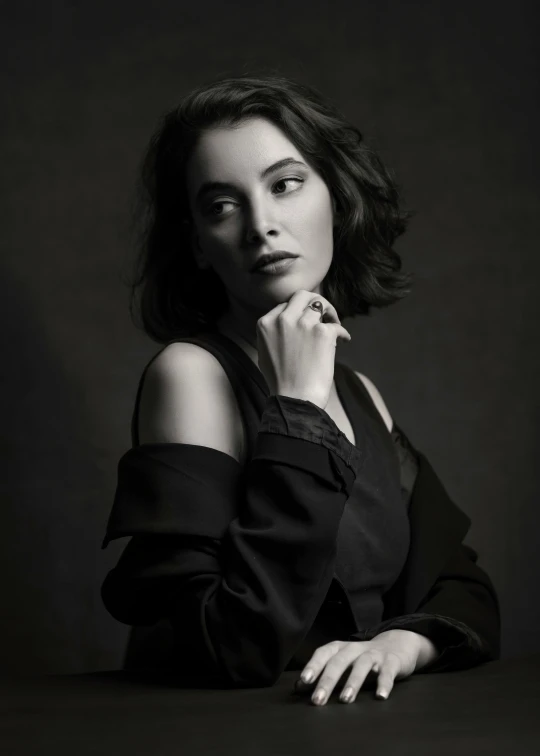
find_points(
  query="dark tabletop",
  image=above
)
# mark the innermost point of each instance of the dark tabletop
(490, 709)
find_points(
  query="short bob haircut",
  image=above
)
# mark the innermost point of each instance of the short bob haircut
(177, 298)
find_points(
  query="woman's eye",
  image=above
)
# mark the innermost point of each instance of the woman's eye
(282, 181)
(213, 209)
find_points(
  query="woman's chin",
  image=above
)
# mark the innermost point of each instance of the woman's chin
(281, 288)
(281, 292)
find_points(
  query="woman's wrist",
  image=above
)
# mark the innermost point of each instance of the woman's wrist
(427, 652)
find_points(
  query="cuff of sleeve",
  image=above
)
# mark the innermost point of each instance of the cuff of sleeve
(458, 646)
(303, 419)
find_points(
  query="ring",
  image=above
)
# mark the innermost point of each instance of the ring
(317, 305)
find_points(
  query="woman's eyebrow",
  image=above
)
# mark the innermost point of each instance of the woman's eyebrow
(210, 186)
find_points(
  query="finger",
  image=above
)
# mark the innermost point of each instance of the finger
(318, 661)
(390, 668)
(339, 331)
(269, 316)
(333, 672)
(300, 301)
(294, 305)
(328, 313)
(369, 661)
(297, 307)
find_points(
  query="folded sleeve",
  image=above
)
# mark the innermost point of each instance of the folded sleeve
(461, 616)
(237, 558)
(461, 612)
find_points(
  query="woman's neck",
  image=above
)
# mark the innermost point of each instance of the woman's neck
(242, 336)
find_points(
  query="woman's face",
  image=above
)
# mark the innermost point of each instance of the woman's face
(258, 208)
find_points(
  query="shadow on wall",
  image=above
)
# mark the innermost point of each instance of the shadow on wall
(54, 483)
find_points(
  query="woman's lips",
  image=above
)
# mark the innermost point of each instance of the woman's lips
(279, 266)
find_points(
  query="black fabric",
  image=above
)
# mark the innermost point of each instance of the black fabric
(248, 598)
(373, 537)
(241, 569)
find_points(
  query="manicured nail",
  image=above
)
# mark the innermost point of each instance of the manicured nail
(382, 693)
(347, 694)
(307, 676)
(320, 696)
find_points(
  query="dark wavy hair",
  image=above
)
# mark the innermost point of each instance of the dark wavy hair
(173, 296)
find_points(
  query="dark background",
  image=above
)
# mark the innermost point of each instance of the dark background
(446, 91)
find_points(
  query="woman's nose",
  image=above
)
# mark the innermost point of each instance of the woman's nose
(260, 221)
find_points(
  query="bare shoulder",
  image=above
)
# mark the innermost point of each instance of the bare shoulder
(187, 398)
(377, 400)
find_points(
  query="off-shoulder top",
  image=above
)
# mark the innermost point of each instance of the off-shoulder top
(373, 537)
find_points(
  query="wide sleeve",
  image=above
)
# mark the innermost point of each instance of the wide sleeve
(238, 559)
(460, 613)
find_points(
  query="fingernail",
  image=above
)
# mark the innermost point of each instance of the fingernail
(307, 676)
(382, 693)
(320, 696)
(347, 694)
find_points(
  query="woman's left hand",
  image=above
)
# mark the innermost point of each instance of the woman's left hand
(392, 655)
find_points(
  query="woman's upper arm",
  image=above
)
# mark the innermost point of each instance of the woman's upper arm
(187, 398)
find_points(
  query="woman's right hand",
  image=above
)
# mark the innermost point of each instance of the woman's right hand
(297, 350)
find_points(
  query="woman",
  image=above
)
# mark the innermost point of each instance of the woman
(279, 518)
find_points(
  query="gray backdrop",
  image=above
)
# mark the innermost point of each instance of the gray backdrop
(447, 93)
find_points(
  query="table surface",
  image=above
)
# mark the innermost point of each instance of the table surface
(491, 709)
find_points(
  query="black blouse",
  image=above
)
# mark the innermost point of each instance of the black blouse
(250, 568)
